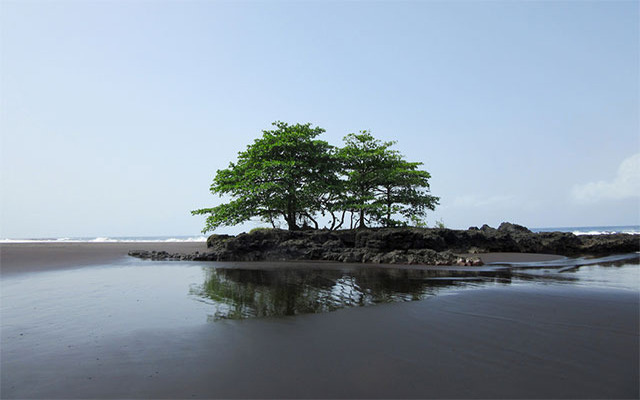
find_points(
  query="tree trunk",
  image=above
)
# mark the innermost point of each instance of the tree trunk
(291, 220)
(291, 210)
(315, 223)
(388, 221)
(292, 224)
(361, 224)
(273, 223)
(341, 220)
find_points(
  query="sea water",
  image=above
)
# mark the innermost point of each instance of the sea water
(111, 239)
(593, 230)
(583, 230)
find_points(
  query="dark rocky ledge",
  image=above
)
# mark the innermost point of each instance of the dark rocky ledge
(399, 245)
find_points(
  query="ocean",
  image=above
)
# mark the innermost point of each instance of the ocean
(593, 230)
(576, 230)
(111, 239)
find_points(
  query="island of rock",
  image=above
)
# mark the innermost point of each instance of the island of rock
(429, 246)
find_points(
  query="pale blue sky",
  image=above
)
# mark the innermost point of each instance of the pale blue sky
(115, 115)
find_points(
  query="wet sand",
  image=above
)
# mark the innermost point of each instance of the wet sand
(511, 341)
(16, 258)
(549, 342)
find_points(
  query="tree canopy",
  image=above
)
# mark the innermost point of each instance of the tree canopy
(289, 175)
(381, 185)
(282, 174)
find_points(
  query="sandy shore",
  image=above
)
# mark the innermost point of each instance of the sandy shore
(31, 257)
(519, 341)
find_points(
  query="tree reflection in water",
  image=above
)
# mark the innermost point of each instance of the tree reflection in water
(238, 293)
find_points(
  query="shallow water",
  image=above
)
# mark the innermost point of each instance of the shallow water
(615, 272)
(138, 294)
(112, 329)
(121, 297)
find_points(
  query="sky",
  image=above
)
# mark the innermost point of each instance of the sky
(115, 115)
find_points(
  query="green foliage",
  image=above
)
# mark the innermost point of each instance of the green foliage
(289, 175)
(381, 184)
(440, 224)
(282, 174)
(417, 222)
(259, 229)
(365, 161)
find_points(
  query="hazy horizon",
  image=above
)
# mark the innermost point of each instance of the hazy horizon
(114, 116)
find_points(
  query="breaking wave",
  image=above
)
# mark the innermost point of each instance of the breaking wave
(594, 230)
(115, 239)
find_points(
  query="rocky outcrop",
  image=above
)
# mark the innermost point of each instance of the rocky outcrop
(399, 245)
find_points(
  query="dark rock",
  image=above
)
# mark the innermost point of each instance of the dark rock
(512, 228)
(351, 256)
(436, 246)
(604, 244)
(215, 240)
(487, 228)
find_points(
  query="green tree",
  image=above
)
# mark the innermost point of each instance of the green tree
(380, 185)
(404, 192)
(365, 160)
(285, 173)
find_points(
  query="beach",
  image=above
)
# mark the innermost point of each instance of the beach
(16, 258)
(546, 339)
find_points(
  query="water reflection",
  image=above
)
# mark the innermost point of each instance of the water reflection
(237, 293)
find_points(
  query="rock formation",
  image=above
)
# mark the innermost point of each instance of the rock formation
(431, 246)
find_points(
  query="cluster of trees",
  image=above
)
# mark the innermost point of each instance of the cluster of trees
(289, 175)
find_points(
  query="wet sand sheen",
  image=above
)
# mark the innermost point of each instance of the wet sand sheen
(17, 258)
(496, 343)
(542, 341)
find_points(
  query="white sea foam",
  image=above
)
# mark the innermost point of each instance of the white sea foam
(607, 232)
(191, 239)
(594, 230)
(104, 239)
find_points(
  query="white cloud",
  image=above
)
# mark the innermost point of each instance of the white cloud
(626, 184)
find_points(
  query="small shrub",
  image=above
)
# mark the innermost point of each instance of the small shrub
(259, 229)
